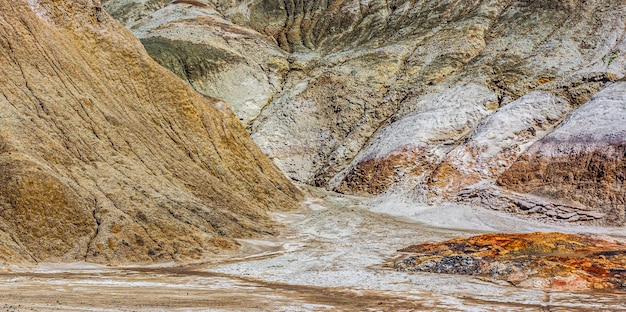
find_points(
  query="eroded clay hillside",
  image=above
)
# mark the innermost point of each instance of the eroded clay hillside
(455, 100)
(105, 156)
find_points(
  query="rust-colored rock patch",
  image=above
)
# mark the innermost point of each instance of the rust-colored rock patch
(374, 176)
(594, 178)
(545, 260)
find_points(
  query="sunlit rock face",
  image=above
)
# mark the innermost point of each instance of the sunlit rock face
(498, 141)
(417, 98)
(107, 157)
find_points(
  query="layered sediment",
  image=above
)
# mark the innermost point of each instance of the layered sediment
(107, 157)
(422, 99)
(583, 161)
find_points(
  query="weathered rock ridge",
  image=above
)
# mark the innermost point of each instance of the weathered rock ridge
(420, 98)
(105, 156)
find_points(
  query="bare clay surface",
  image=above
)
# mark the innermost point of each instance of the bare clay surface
(333, 255)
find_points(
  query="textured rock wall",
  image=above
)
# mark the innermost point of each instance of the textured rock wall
(497, 143)
(424, 138)
(420, 98)
(107, 157)
(583, 161)
(217, 57)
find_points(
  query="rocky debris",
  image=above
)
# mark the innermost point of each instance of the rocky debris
(496, 198)
(107, 157)
(365, 97)
(583, 160)
(545, 260)
(447, 265)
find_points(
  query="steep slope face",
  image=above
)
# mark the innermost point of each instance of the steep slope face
(479, 57)
(107, 157)
(583, 161)
(423, 98)
(217, 57)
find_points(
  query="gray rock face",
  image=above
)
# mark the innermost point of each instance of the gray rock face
(424, 136)
(107, 157)
(413, 97)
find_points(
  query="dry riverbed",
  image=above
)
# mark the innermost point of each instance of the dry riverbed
(335, 254)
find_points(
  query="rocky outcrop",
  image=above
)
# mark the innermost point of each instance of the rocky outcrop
(423, 98)
(540, 260)
(535, 207)
(583, 161)
(355, 68)
(107, 157)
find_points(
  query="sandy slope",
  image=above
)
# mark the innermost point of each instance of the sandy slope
(107, 157)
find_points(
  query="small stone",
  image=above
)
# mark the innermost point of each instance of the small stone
(566, 215)
(574, 218)
(524, 205)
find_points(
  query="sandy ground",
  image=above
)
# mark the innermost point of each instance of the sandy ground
(333, 255)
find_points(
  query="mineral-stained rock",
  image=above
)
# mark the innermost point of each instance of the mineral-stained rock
(107, 157)
(356, 100)
(497, 143)
(536, 207)
(583, 161)
(548, 260)
(415, 144)
(425, 98)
